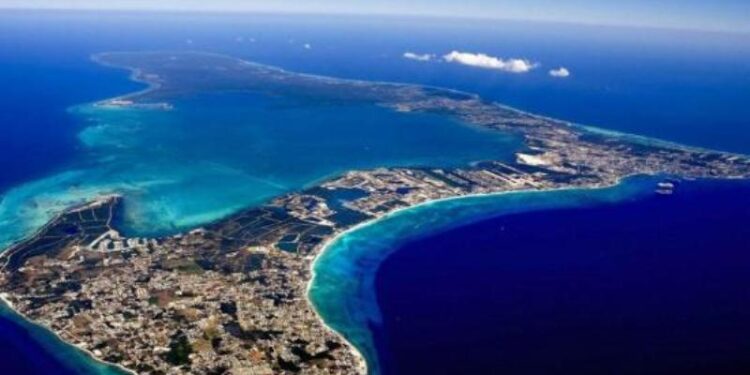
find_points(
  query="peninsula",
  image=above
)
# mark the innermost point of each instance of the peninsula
(230, 296)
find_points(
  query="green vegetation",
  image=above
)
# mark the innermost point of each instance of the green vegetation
(179, 350)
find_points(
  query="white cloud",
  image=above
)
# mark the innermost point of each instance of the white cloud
(481, 60)
(418, 57)
(560, 72)
(308, 46)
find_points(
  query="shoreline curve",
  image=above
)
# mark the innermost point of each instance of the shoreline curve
(328, 244)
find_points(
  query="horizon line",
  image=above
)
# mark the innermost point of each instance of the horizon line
(426, 16)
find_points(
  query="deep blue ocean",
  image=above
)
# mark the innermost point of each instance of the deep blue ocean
(683, 86)
(659, 285)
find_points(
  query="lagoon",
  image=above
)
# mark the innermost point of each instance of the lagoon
(217, 153)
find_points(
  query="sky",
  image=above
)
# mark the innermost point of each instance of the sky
(723, 15)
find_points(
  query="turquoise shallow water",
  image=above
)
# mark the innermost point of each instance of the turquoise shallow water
(217, 153)
(342, 289)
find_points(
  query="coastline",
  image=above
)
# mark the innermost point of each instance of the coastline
(89, 354)
(328, 244)
(325, 247)
(136, 76)
(92, 201)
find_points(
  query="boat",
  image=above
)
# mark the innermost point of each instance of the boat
(665, 188)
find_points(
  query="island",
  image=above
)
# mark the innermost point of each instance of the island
(231, 296)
